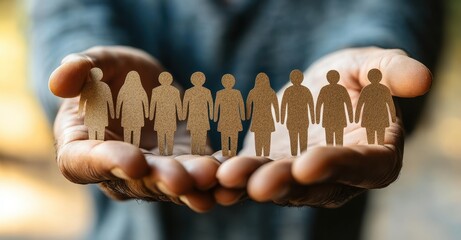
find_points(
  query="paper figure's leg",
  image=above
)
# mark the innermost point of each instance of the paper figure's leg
(193, 143)
(258, 143)
(100, 133)
(370, 136)
(293, 142)
(161, 142)
(225, 144)
(91, 134)
(127, 135)
(201, 142)
(329, 136)
(170, 142)
(339, 136)
(234, 137)
(380, 136)
(136, 136)
(267, 143)
(303, 140)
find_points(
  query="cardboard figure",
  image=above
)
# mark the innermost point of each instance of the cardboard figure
(198, 109)
(297, 103)
(262, 97)
(165, 105)
(336, 103)
(95, 101)
(376, 101)
(132, 105)
(229, 109)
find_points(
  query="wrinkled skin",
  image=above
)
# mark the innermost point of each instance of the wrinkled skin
(323, 176)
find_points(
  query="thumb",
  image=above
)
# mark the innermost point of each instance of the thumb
(115, 61)
(68, 79)
(405, 76)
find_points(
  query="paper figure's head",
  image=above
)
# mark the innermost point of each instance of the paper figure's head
(262, 81)
(333, 76)
(375, 76)
(96, 74)
(197, 78)
(228, 81)
(296, 77)
(165, 78)
(133, 78)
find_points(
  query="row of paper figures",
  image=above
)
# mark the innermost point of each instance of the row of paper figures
(228, 110)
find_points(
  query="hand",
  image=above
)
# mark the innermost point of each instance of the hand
(328, 176)
(122, 170)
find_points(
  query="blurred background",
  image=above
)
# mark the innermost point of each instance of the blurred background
(36, 202)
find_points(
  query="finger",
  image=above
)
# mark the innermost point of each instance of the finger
(68, 79)
(226, 197)
(318, 195)
(115, 61)
(274, 182)
(405, 76)
(235, 172)
(365, 166)
(92, 161)
(198, 201)
(202, 169)
(270, 181)
(133, 189)
(169, 176)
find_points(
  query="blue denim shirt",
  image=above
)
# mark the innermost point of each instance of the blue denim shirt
(242, 37)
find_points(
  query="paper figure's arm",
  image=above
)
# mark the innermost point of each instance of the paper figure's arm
(217, 104)
(210, 104)
(145, 104)
(275, 104)
(310, 103)
(249, 104)
(153, 102)
(118, 107)
(185, 104)
(390, 103)
(284, 107)
(347, 101)
(178, 106)
(318, 108)
(241, 106)
(110, 102)
(358, 111)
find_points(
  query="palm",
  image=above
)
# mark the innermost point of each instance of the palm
(324, 175)
(123, 170)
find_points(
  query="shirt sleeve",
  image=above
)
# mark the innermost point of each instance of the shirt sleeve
(411, 25)
(414, 26)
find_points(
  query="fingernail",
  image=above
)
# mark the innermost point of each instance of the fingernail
(162, 187)
(72, 58)
(282, 193)
(118, 172)
(77, 57)
(241, 197)
(186, 201)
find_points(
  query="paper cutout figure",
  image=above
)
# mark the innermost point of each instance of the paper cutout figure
(132, 105)
(297, 103)
(376, 101)
(198, 109)
(229, 109)
(336, 103)
(96, 101)
(165, 105)
(262, 97)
